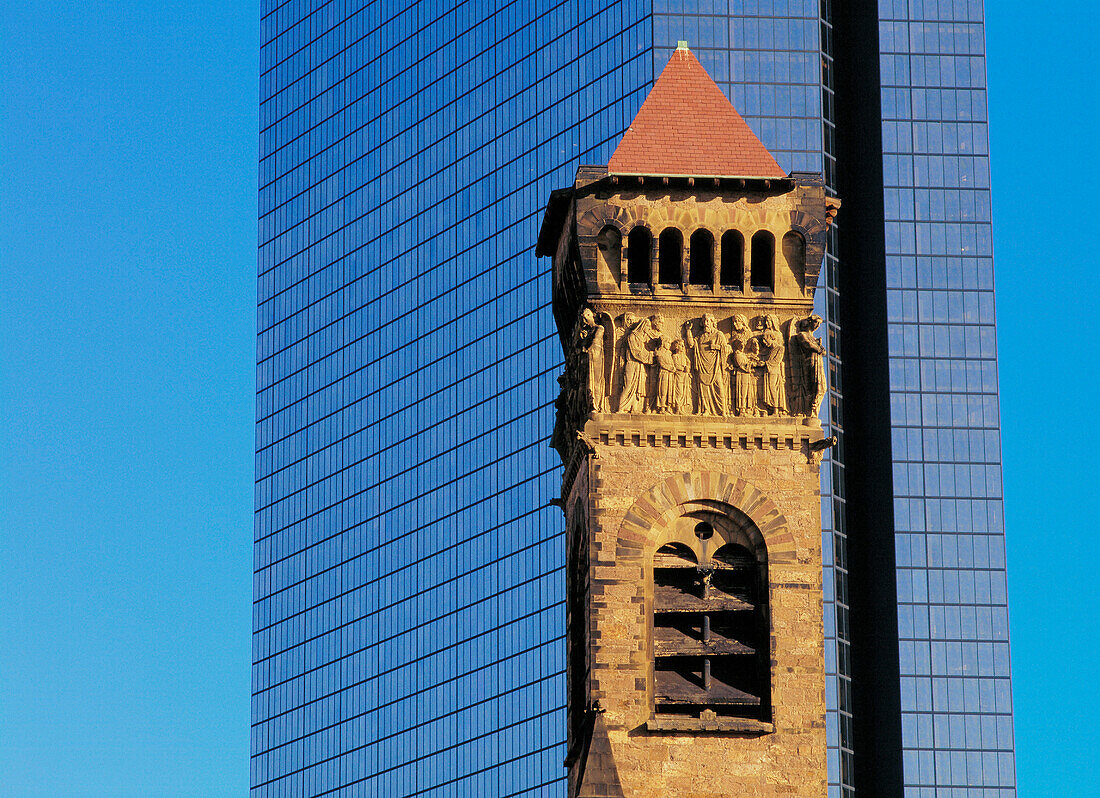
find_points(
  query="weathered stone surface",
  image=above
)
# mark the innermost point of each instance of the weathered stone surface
(784, 504)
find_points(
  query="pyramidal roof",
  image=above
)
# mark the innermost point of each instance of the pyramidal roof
(686, 126)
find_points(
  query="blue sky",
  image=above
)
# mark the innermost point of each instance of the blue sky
(127, 193)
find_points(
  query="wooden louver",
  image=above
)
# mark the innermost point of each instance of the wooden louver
(707, 634)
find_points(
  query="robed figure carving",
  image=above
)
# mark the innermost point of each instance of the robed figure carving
(681, 389)
(773, 393)
(712, 352)
(588, 362)
(745, 364)
(636, 356)
(665, 361)
(808, 365)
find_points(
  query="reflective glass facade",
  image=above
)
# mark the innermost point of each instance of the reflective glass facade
(409, 578)
(952, 601)
(409, 586)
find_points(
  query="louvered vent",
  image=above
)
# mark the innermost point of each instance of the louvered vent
(710, 638)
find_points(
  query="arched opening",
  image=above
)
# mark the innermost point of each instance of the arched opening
(711, 635)
(701, 267)
(670, 250)
(639, 245)
(763, 261)
(609, 251)
(794, 252)
(733, 260)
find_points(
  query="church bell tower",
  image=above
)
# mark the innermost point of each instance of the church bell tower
(684, 274)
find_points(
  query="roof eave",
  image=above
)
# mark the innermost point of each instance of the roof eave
(697, 176)
(557, 207)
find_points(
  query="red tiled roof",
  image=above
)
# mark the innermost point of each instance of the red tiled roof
(686, 126)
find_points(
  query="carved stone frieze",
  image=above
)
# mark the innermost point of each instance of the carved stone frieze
(741, 366)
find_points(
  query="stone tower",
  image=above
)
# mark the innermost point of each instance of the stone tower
(683, 277)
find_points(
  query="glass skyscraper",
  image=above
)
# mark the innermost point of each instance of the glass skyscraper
(409, 587)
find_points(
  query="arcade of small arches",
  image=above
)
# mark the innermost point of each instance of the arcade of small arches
(706, 262)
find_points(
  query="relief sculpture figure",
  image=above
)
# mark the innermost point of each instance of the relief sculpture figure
(597, 370)
(597, 375)
(623, 325)
(808, 362)
(712, 351)
(681, 392)
(636, 357)
(586, 361)
(745, 364)
(665, 362)
(773, 395)
(653, 371)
